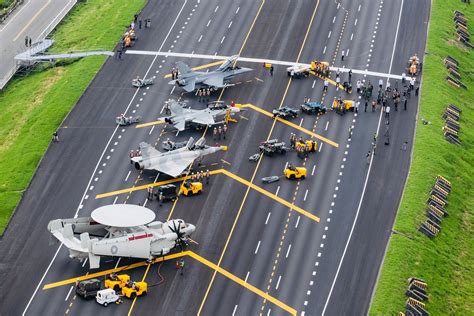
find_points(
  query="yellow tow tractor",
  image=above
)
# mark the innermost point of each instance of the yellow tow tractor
(116, 282)
(342, 106)
(292, 172)
(134, 289)
(190, 188)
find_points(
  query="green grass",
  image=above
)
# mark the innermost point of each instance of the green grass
(34, 106)
(446, 262)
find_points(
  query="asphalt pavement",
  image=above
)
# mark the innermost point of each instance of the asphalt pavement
(314, 267)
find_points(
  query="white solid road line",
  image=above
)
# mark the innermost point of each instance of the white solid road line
(151, 130)
(297, 221)
(288, 251)
(314, 82)
(208, 22)
(115, 200)
(100, 159)
(301, 122)
(278, 283)
(237, 11)
(258, 246)
(230, 24)
(268, 217)
(247, 276)
(68, 293)
(314, 167)
(320, 147)
(326, 128)
(258, 61)
(128, 175)
(235, 309)
(305, 195)
(278, 189)
(365, 183)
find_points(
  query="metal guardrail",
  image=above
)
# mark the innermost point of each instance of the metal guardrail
(10, 9)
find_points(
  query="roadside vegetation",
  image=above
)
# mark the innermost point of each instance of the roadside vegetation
(34, 106)
(446, 262)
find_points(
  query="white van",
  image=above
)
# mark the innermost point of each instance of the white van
(107, 296)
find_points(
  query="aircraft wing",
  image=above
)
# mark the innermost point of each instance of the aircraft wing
(204, 118)
(177, 165)
(216, 80)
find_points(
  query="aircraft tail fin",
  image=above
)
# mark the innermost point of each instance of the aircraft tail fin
(175, 107)
(182, 68)
(147, 150)
(190, 144)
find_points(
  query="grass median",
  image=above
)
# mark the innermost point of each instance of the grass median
(446, 262)
(34, 106)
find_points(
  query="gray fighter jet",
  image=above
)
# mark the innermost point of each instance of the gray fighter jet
(181, 116)
(120, 230)
(191, 80)
(173, 162)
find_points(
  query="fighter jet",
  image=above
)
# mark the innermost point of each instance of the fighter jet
(191, 80)
(181, 116)
(173, 162)
(120, 230)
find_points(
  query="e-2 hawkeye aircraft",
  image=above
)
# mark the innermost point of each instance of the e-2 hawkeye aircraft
(120, 230)
(191, 80)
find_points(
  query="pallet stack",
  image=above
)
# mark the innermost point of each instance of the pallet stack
(460, 22)
(452, 127)
(454, 77)
(436, 207)
(417, 294)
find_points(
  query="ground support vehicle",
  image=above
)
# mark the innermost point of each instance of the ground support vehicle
(125, 121)
(272, 146)
(141, 82)
(168, 192)
(342, 106)
(313, 107)
(292, 172)
(107, 296)
(134, 289)
(191, 188)
(413, 65)
(285, 112)
(298, 71)
(116, 282)
(88, 288)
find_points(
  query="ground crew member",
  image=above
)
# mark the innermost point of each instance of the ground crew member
(356, 106)
(359, 85)
(160, 198)
(214, 134)
(219, 132)
(350, 132)
(207, 176)
(200, 95)
(140, 24)
(412, 83)
(373, 105)
(326, 85)
(368, 157)
(181, 265)
(387, 111)
(350, 75)
(417, 90)
(55, 137)
(224, 130)
(271, 70)
(380, 83)
(365, 106)
(337, 72)
(342, 55)
(374, 146)
(405, 101)
(338, 82)
(26, 41)
(131, 155)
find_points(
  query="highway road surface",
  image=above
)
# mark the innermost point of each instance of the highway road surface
(252, 253)
(33, 19)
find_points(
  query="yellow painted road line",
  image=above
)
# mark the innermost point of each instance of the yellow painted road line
(271, 195)
(105, 272)
(295, 126)
(143, 279)
(31, 20)
(149, 124)
(334, 83)
(202, 67)
(241, 282)
(213, 172)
